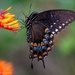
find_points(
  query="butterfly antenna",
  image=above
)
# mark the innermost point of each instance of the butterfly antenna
(23, 12)
(43, 63)
(32, 64)
(30, 8)
(22, 21)
(23, 24)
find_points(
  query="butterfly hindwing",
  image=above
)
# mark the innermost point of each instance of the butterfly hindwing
(41, 41)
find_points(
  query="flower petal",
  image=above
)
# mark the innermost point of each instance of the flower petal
(6, 68)
(8, 21)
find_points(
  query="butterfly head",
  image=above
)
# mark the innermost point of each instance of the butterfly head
(29, 20)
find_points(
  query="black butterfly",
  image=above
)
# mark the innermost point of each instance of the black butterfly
(41, 28)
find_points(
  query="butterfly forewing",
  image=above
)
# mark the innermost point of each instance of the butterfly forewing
(56, 20)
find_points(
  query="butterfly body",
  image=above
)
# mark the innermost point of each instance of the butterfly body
(41, 28)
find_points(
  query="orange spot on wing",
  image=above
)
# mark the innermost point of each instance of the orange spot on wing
(46, 29)
(31, 51)
(40, 57)
(35, 55)
(48, 48)
(50, 42)
(35, 44)
(42, 43)
(51, 35)
(31, 44)
(44, 39)
(44, 53)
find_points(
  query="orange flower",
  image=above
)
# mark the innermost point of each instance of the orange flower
(5, 68)
(7, 21)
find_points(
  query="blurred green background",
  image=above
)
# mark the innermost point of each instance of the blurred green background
(14, 47)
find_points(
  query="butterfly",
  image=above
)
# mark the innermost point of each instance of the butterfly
(41, 28)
